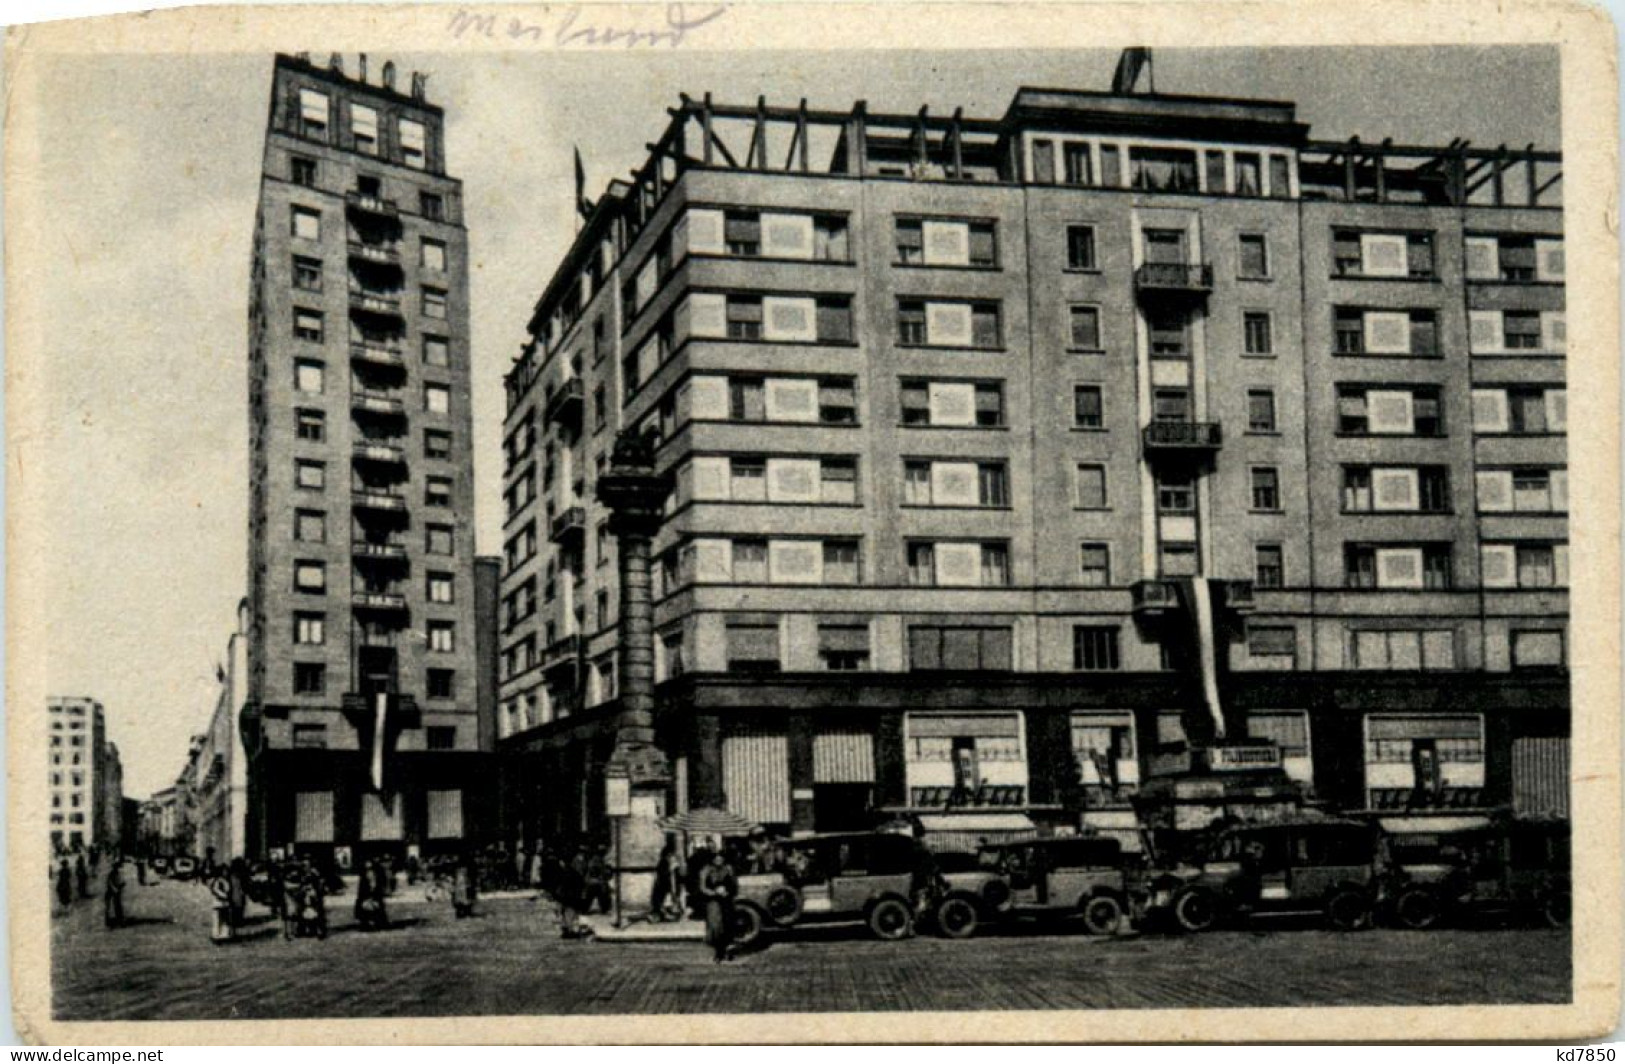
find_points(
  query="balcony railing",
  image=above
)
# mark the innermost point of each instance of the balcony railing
(378, 500)
(1174, 277)
(376, 403)
(383, 453)
(377, 205)
(375, 302)
(569, 524)
(389, 552)
(378, 355)
(388, 601)
(384, 254)
(561, 654)
(1183, 436)
(564, 405)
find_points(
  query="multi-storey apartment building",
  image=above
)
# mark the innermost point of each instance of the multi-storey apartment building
(361, 723)
(87, 783)
(1015, 458)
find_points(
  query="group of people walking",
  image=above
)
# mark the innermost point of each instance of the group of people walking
(73, 884)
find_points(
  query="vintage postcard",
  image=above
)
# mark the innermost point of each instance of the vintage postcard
(740, 522)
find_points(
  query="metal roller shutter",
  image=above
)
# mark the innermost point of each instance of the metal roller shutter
(756, 777)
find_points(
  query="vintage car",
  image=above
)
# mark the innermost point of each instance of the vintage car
(968, 892)
(1518, 866)
(877, 878)
(1304, 865)
(1087, 877)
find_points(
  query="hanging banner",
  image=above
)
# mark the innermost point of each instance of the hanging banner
(1207, 646)
(380, 716)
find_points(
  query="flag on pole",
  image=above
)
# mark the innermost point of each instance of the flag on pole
(380, 718)
(1129, 65)
(583, 208)
(1207, 648)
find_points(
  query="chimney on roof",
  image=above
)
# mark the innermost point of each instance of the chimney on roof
(361, 67)
(389, 74)
(420, 84)
(335, 62)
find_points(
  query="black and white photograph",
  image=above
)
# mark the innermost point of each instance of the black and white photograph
(561, 514)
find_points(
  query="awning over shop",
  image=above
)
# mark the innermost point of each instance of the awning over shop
(1422, 824)
(964, 832)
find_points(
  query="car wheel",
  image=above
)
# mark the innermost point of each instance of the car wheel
(1348, 910)
(747, 925)
(1558, 908)
(783, 906)
(1196, 910)
(957, 918)
(1416, 909)
(1102, 914)
(890, 919)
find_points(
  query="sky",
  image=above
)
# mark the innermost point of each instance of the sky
(155, 162)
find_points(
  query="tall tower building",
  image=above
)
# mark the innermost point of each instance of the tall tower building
(360, 723)
(81, 788)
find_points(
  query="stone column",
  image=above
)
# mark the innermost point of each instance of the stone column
(635, 496)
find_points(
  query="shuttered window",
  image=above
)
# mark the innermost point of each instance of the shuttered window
(756, 776)
(445, 814)
(313, 816)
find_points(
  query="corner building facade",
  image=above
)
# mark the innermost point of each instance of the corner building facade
(1018, 457)
(361, 559)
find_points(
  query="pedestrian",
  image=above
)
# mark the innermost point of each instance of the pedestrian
(666, 901)
(113, 894)
(719, 886)
(313, 908)
(597, 886)
(64, 884)
(141, 870)
(568, 883)
(237, 890)
(290, 884)
(369, 898)
(82, 873)
(464, 891)
(699, 859)
(764, 854)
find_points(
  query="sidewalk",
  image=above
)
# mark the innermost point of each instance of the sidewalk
(642, 929)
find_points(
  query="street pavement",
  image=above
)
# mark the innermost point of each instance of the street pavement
(510, 960)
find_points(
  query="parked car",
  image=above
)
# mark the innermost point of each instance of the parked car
(1321, 864)
(1518, 866)
(1087, 877)
(873, 877)
(969, 892)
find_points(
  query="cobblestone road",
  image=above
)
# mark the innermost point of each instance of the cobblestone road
(509, 960)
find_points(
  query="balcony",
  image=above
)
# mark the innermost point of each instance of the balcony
(377, 403)
(562, 654)
(377, 206)
(378, 355)
(382, 453)
(571, 525)
(378, 601)
(564, 405)
(384, 501)
(1182, 437)
(375, 301)
(368, 550)
(1174, 279)
(1238, 596)
(1155, 599)
(379, 254)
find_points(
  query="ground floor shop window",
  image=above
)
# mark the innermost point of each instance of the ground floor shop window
(313, 816)
(1288, 729)
(965, 759)
(1103, 745)
(1424, 760)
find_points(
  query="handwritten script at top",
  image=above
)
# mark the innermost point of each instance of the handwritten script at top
(571, 28)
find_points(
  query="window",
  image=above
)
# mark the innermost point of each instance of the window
(1094, 648)
(1167, 330)
(1256, 333)
(440, 737)
(437, 491)
(432, 206)
(412, 135)
(1260, 411)
(944, 324)
(307, 274)
(1403, 566)
(310, 526)
(752, 647)
(1277, 644)
(1426, 649)
(306, 223)
(436, 351)
(958, 564)
(312, 425)
(1088, 407)
(310, 576)
(309, 678)
(440, 587)
(1268, 568)
(837, 402)
(436, 444)
(1365, 254)
(1537, 649)
(1080, 247)
(1162, 169)
(957, 649)
(309, 474)
(843, 647)
(1078, 166)
(438, 539)
(310, 629)
(436, 398)
(1091, 488)
(932, 242)
(1084, 334)
(841, 564)
(433, 255)
(308, 376)
(307, 324)
(1385, 332)
(1266, 488)
(1095, 569)
(434, 302)
(952, 403)
(313, 114)
(1380, 410)
(838, 480)
(441, 683)
(1254, 256)
(302, 171)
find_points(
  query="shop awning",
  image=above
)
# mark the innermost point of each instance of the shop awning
(976, 821)
(1423, 824)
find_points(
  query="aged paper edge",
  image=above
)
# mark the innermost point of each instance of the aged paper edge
(1585, 37)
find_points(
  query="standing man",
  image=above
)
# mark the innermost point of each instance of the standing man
(113, 894)
(64, 884)
(719, 887)
(82, 874)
